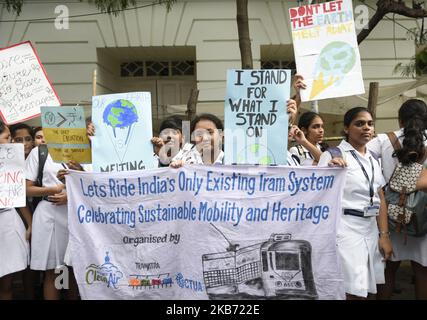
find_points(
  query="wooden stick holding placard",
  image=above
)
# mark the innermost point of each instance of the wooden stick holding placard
(94, 83)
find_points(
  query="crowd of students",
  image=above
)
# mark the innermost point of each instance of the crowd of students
(369, 254)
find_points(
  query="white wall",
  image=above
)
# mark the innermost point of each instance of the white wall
(70, 56)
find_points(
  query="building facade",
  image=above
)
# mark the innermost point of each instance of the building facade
(169, 53)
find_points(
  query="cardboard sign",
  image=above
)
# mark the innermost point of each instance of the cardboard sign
(24, 86)
(326, 50)
(255, 116)
(64, 129)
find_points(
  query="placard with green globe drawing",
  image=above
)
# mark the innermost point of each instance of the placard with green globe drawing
(123, 129)
(326, 50)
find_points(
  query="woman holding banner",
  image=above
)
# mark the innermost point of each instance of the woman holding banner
(362, 234)
(14, 236)
(413, 123)
(50, 229)
(170, 145)
(207, 133)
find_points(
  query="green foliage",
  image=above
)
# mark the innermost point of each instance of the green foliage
(421, 62)
(406, 70)
(115, 6)
(14, 6)
(418, 64)
(108, 6)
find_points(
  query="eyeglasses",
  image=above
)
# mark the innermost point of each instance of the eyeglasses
(22, 139)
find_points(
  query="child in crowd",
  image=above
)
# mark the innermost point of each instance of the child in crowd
(14, 237)
(311, 124)
(412, 137)
(38, 136)
(50, 228)
(23, 133)
(207, 132)
(170, 145)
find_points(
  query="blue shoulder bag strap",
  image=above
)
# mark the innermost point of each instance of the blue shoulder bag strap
(335, 152)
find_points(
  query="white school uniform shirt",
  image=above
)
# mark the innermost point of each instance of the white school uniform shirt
(292, 160)
(182, 154)
(306, 158)
(356, 192)
(357, 237)
(415, 248)
(194, 157)
(50, 222)
(382, 147)
(14, 248)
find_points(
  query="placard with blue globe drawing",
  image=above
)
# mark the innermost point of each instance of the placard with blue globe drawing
(256, 122)
(123, 129)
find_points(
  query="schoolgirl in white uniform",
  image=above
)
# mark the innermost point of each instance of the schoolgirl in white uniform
(50, 226)
(412, 119)
(362, 232)
(14, 245)
(170, 145)
(207, 135)
(311, 124)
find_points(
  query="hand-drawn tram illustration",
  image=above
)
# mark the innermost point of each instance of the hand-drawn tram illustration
(279, 268)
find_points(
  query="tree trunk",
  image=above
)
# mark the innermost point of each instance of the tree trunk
(243, 30)
(373, 98)
(192, 103)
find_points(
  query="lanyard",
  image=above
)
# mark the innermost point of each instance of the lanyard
(371, 182)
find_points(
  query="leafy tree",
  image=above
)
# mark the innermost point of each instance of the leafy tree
(110, 6)
(384, 7)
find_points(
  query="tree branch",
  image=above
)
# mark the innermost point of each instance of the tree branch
(389, 6)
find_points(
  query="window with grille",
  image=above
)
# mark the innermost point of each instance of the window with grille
(279, 64)
(157, 68)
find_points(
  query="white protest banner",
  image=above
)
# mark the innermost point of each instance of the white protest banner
(12, 175)
(206, 232)
(326, 49)
(255, 118)
(24, 85)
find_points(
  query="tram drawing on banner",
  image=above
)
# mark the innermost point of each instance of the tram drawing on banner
(279, 268)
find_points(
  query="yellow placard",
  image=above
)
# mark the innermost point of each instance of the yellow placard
(80, 155)
(65, 136)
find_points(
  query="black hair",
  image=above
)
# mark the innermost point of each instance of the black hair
(305, 121)
(172, 122)
(410, 109)
(3, 127)
(207, 116)
(307, 118)
(35, 130)
(351, 114)
(413, 117)
(20, 126)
